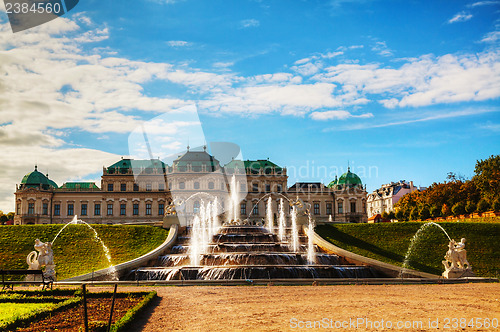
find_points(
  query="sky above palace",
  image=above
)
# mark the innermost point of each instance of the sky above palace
(396, 89)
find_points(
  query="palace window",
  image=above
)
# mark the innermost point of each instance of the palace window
(161, 186)
(97, 209)
(148, 209)
(255, 187)
(71, 209)
(340, 207)
(243, 187)
(57, 209)
(149, 187)
(316, 208)
(329, 208)
(136, 187)
(84, 210)
(182, 185)
(135, 210)
(45, 209)
(353, 207)
(196, 185)
(18, 208)
(161, 209)
(110, 209)
(268, 188)
(31, 208)
(279, 188)
(110, 187)
(123, 209)
(211, 185)
(255, 210)
(196, 207)
(243, 208)
(123, 187)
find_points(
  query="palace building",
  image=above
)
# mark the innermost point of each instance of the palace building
(134, 191)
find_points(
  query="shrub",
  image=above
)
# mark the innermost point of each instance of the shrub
(414, 214)
(391, 215)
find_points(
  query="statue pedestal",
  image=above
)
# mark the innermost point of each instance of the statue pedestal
(170, 220)
(458, 273)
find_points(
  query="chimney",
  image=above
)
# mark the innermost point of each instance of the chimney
(411, 186)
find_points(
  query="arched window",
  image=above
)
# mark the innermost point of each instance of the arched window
(211, 185)
(196, 207)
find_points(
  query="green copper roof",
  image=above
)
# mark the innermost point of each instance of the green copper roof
(37, 179)
(348, 179)
(124, 165)
(196, 159)
(79, 185)
(254, 165)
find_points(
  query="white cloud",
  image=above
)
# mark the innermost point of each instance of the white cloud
(250, 23)
(460, 17)
(381, 48)
(491, 37)
(337, 115)
(484, 3)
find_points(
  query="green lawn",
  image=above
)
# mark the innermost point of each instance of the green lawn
(389, 242)
(76, 251)
(12, 311)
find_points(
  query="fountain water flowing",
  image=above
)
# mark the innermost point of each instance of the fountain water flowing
(414, 242)
(76, 221)
(269, 215)
(295, 230)
(281, 222)
(311, 253)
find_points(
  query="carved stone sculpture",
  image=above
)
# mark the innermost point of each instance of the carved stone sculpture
(43, 257)
(455, 263)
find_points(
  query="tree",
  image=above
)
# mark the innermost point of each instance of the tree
(435, 211)
(385, 215)
(496, 204)
(391, 215)
(483, 205)
(414, 214)
(424, 213)
(487, 177)
(470, 207)
(445, 210)
(458, 209)
(400, 215)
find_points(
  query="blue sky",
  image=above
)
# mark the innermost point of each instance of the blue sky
(397, 89)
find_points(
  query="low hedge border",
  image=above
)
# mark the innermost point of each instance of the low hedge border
(38, 315)
(124, 323)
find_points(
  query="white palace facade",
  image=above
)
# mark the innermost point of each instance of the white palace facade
(134, 191)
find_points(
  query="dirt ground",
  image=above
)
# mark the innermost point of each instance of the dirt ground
(348, 307)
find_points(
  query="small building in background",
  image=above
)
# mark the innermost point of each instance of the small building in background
(383, 199)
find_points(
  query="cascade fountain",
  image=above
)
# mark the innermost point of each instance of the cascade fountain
(239, 250)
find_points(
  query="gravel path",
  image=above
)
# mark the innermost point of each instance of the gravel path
(288, 308)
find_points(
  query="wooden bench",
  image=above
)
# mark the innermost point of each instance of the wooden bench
(9, 284)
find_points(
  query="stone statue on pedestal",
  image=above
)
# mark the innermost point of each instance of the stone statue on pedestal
(455, 263)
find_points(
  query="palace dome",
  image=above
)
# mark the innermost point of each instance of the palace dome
(347, 179)
(37, 179)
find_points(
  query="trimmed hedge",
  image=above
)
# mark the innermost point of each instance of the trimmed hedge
(76, 251)
(389, 242)
(125, 321)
